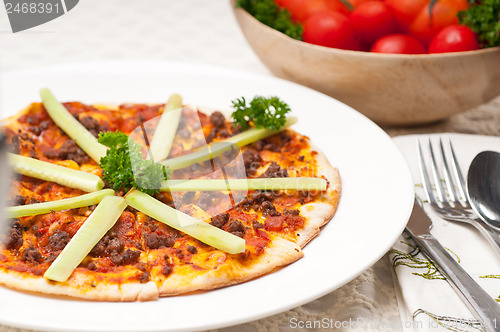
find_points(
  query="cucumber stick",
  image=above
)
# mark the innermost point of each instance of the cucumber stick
(216, 149)
(97, 224)
(207, 152)
(72, 127)
(166, 129)
(254, 134)
(301, 183)
(62, 204)
(196, 228)
(55, 173)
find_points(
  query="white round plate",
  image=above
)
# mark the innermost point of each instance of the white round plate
(375, 205)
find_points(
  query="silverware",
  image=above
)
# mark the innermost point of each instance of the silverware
(482, 305)
(483, 186)
(450, 204)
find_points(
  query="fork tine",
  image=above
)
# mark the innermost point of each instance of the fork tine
(458, 173)
(446, 173)
(426, 183)
(437, 177)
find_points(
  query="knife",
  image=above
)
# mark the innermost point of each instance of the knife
(484, 308)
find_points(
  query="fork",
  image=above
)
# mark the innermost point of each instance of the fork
(448, 204)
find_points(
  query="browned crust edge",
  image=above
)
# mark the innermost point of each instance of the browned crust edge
(281, 252)
(318, 214)
(81, 288)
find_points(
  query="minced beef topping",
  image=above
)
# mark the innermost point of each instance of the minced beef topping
(155, 241)
(275, 171)
(220, 220)
(68, 151)
(59, 240)
(32, 255)
(108, 246)
(14, 237)
(236, 227)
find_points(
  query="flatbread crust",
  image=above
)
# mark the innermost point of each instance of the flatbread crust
(280, 252)
(83, 285)
(79, 286)
(319, 213)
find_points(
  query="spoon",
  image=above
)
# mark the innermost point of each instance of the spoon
(483, 186)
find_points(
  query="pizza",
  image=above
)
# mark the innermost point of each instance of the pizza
(140, 258)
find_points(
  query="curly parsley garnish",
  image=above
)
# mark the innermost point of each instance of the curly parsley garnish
(269, 13)
(483, 17)
(269, 113)
(125, 168)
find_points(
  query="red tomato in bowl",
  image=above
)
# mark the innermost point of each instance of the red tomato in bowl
(372, 20)
(303, 9)
(413, 16)
(454, 38)
(331, 29)
(406, 11)
(355, 3)
(337, 5)
(444, 12)
(398, 43)
(295, 7)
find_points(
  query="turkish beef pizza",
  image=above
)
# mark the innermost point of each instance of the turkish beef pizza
(140, 258)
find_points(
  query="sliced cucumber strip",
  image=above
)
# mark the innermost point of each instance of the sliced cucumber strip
(166, 129)
(207, 152)
(55, 173)
(254, 134)
(300, 183)
(72, 127)
(216, 149)
(62, 204)
(198, 229)
(97, 224)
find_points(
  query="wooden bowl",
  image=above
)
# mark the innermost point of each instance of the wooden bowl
(390, 89)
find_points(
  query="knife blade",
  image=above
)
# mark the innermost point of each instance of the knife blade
(484, 308)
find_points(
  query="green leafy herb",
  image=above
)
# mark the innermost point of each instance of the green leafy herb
(483, 17)
(269, 13)
(125, 168)
(269, 113)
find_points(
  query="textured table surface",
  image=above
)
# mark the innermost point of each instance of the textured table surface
(206, 32)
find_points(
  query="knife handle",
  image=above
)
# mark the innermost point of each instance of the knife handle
(486, 309)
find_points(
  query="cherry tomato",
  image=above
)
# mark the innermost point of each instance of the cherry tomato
(398, 43)
(372, 20)
(444, 13)
(406, 11)
(337, 5)
(303, 9)
(355, 3)
(295, 7)
(454, 38)
(331, 29)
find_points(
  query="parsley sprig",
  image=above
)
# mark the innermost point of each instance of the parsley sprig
(125, 168)
(269, 113)
(483, 17)
(269, 13)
